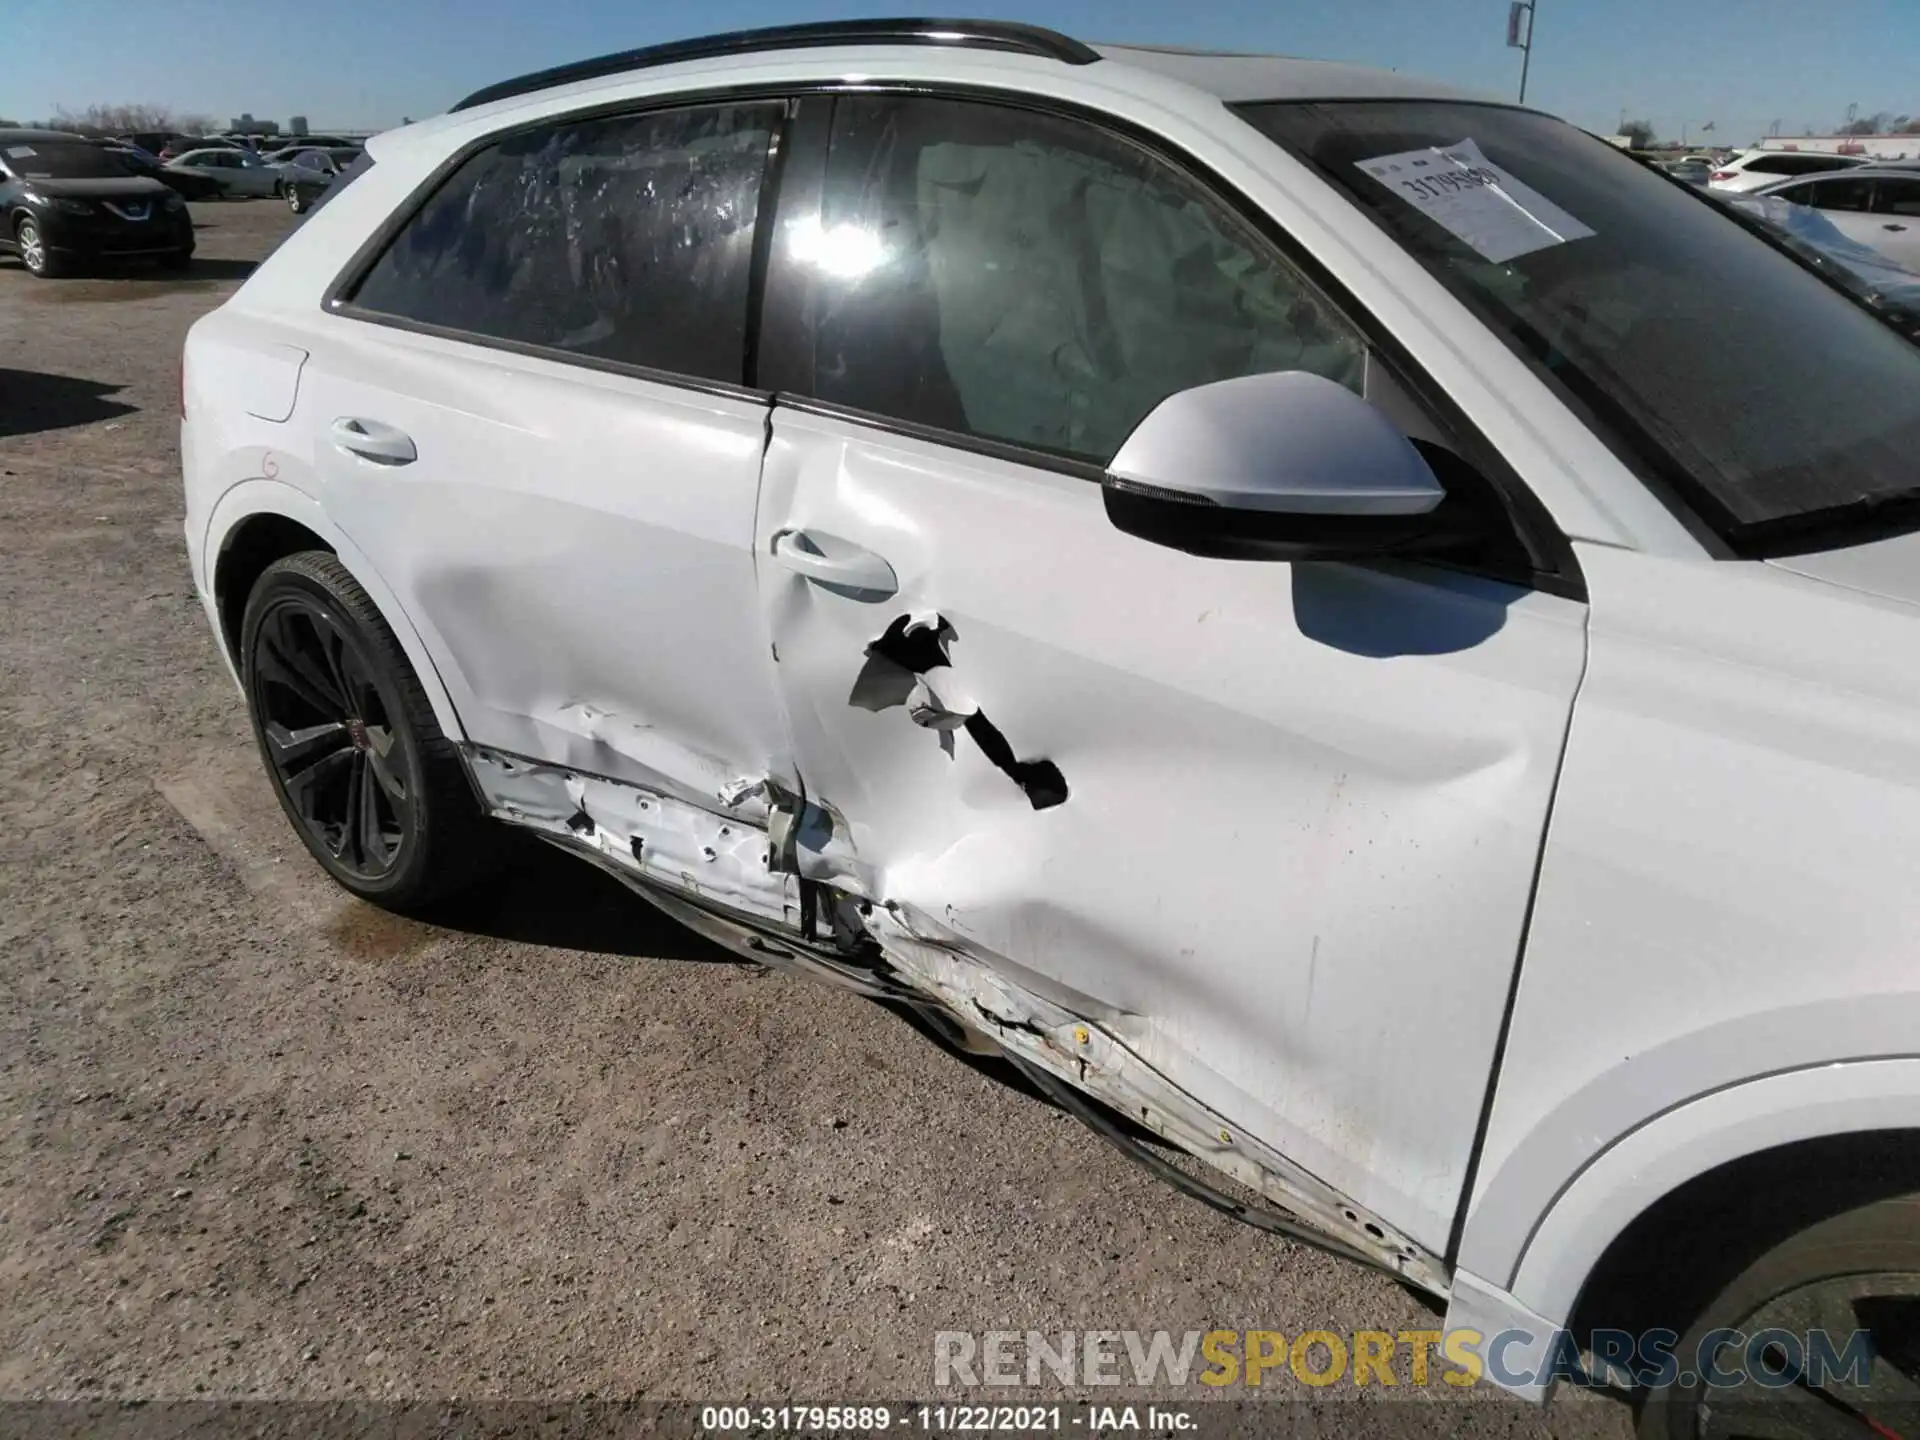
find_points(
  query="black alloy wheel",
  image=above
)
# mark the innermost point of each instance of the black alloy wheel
(329, 737)
(1850, 1284)
(349, 739)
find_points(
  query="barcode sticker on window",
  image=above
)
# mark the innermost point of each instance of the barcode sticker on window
(1457, 187)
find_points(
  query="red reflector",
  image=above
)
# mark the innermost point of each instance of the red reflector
(1723, 175)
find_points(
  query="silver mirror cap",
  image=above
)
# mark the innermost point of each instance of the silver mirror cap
(1288, 442)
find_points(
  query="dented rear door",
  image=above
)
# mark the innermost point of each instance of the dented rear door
(1272, 826)
(558, 335)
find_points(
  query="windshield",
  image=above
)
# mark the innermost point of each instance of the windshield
(62, 160)
(1705, 355)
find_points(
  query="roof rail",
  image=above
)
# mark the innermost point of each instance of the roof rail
(980, 34)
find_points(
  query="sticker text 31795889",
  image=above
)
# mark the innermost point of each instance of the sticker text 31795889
(1478, 202)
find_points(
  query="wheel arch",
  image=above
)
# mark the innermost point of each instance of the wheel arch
(260, 521)
(1673, 1258)
(1680, 1199)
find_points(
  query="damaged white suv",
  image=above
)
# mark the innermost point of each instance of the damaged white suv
(1312, 613)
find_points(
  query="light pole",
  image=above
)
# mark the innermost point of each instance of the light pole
(1520, 40)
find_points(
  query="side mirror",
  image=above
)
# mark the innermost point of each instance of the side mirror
(1283, 466)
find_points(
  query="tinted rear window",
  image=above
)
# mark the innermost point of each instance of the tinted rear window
(627, 239)
(1798, 164)
(1842, 194)
(1897, 196)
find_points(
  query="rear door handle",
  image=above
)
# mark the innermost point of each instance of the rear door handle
(1892, 226)
(835, 563)
(371, 440)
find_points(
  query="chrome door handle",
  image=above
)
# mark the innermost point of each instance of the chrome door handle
(837, 563)
(371, 440)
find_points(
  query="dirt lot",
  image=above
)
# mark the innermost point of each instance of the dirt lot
(263, 1141)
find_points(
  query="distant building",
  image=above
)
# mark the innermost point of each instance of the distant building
(1879, 147)
(297, 125)
(245, 124)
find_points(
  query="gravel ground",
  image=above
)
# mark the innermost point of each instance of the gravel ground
(263, 1141)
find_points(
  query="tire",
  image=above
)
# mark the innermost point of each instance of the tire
(41, 262)
(346, 733)
(1859, 1269)
(296, 202)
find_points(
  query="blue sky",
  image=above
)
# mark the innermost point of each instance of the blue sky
(1742, 63)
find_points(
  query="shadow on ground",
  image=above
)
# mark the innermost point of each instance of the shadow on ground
(545, 897)
(32, 401)
(209, 269)
(132, 280)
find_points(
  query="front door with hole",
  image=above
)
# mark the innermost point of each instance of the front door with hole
(1274, 826)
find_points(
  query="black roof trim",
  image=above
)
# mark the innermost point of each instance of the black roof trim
(977, 34)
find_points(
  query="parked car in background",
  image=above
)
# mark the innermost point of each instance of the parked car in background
(65, 201)
(240, 173)
(1343, 624)
(288, 148)
(187, 184)
(305, 173)
(1876, 205)
(1690, 171)
(183, 144)
(128, 147)
(1890, 289)
(1752, 169)
(151, 141)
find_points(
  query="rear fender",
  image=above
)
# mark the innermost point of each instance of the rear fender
(263, 496)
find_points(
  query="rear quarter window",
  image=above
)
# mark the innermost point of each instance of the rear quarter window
(627, 239)
(1898, 197)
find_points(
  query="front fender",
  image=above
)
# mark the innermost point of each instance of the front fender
(264, 496)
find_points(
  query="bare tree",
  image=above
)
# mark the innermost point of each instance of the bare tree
(1639, 133)
(1878, 124)
(122, 119)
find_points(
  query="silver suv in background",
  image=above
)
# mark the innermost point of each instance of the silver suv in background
(1875, 205)
(1752, 169)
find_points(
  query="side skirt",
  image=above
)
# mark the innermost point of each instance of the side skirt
(727, 873)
